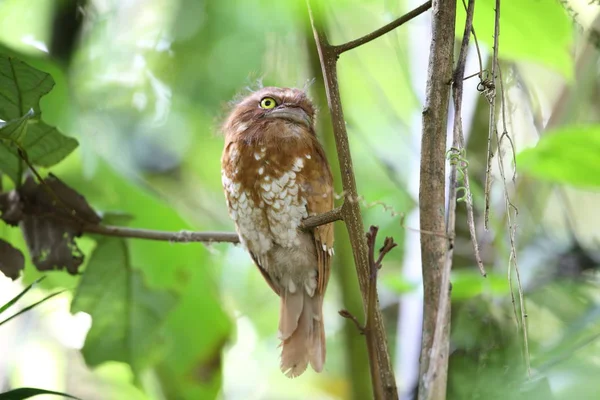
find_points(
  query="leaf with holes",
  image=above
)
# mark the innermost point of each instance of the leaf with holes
(52, 216)
(570, 155)
(127, 316)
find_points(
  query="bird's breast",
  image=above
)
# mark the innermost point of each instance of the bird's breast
(265, 188)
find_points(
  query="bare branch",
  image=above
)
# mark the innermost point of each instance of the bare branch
(148, 234)
(339, 49)
(492, 119)
(521, 318)
(373, 299)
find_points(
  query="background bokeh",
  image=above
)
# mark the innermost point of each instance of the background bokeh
(143, 85)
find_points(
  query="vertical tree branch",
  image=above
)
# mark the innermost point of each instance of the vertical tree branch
(356, 356)
(351, 209)
(434, 364)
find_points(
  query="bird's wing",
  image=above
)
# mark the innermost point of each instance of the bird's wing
(319, 197)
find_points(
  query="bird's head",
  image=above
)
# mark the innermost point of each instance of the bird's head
(280, 111)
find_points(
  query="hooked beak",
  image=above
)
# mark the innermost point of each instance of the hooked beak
(294, 114)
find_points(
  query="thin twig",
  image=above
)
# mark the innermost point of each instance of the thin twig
(458, 142)
(492, 119)
(373, 299)
(347, 314)
(480, 73)
(339, 49)
(521, 318)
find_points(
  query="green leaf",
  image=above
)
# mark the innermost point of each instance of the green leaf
(569, 155)
(25, 393)
(10, 162)
(17, 297)
(531, 30)
(126, 315)
(15, 130)
(46, 146)
(21, 88)
(185, 268)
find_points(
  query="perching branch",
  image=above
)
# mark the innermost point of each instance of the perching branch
(436, 312)
(339, 49)
(207, 237)
(67, 214)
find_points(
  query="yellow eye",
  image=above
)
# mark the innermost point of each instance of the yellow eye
(267, 103)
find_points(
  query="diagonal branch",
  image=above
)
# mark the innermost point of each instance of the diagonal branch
(339, 49)
(351, 212)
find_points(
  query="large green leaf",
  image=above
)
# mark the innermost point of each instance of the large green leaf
(531, 30)
(164, 264)
(21, 88)
(127, 316)
(192, 342)
(570, 155)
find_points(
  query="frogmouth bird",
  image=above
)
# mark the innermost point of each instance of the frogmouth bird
(275, 174)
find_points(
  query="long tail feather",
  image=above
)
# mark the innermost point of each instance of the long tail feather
(306, 344)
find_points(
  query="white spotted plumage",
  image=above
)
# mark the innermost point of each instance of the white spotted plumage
(280, 210)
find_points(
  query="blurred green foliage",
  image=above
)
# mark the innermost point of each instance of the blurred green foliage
(570, 155)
